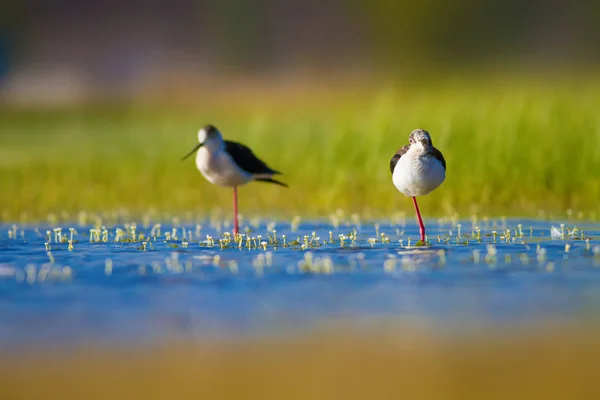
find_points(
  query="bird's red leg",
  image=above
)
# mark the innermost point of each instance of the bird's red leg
(421, 226)
(235, 212)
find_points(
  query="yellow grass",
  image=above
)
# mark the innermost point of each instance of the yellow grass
(400, 363)
(513, 147)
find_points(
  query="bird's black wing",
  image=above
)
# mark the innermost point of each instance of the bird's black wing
(271, 180)
(401, 151)
(246, 160)
(438, 155)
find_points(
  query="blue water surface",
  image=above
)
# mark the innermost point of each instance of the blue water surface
(116, 289)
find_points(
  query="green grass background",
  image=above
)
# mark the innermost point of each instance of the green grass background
(512, 146)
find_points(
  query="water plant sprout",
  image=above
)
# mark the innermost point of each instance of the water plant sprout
(184, 245)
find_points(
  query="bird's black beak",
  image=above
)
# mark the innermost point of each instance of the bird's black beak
(193, 151)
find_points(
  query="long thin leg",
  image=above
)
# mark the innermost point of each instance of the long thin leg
(421, 226)
(236, 229)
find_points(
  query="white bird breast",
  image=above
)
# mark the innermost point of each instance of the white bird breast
(418, 174)
(220, 169)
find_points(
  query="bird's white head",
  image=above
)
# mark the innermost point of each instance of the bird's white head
(210, 138)
(420, 138)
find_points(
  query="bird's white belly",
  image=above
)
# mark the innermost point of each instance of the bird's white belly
(220, 169)
(418, 175)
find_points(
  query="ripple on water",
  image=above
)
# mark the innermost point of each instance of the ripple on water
(119, 290)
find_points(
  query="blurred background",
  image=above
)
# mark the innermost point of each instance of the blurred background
(73, 51)
(134, 81)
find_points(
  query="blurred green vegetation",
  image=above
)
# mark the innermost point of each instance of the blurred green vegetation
(513, 147)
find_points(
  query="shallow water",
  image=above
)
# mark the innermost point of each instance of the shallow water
(202, 290)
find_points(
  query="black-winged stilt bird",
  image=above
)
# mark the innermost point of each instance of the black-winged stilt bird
(417, 169)
(228, 163)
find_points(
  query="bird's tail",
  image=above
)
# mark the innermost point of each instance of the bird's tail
(271, 180)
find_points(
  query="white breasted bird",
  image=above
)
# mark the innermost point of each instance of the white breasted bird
(417, 169)
(228, 163)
